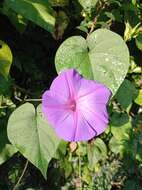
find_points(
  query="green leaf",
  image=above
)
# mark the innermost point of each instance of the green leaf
(88, 5)
(5, 59)
(131, 184)
(86, 175)
(67, 166)
(139, 41)
(114, 2)
(96, 152)
(58, 3)
(17, 20)
(116, 146)
(98, 57)
(126, 93)
(61, 151)
(122, 132)
(121, 135)
(38, 11)
(5, 84)
(138, 99)
(120, 127)
(119, 119)
(6, 149)
(81, 149)
(32, 136)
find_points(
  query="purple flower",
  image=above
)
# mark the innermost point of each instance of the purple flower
(76, 107)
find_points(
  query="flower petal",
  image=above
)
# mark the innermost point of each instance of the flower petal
(66, 128)
(96, 115)
(66, 84)
(54, 109)
(84, 131)
(93, 106)
(88, 119)
(100, 92)
(75, 128)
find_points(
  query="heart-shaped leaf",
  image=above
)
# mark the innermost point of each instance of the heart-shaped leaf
(5, 59)
(103, 56)
(32, 136)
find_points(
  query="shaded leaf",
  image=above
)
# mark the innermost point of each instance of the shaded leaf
(139, 41)
(60, 3)
(6, 149)
(119, 119)
(17, 20)
(126, 93)
(62, 21)
(38, 11)
(96, 152)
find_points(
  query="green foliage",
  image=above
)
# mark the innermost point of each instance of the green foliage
(62, 21)
(60, 3)
(120, 136)
(88, 5)
(17, 20)
(88, 36)
(138, 99)
(98, 57)
(139, 41)
(6, 149)
(97, 151)
(38, 12)
(32, 136)
(126, 93)
(5, 59)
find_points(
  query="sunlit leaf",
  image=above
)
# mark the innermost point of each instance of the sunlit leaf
(5, 59)
(88, 5)
(32, 136)
(138, 99)
(98, 57)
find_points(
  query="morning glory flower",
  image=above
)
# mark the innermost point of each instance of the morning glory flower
(76, 107)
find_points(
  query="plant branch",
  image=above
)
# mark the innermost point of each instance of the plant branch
(100, 8)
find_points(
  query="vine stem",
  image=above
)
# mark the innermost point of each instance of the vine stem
(22, 175)
(101, 7)
(79, 170)
(33, 100)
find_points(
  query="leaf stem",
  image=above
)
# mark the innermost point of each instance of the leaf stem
(22, 175)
